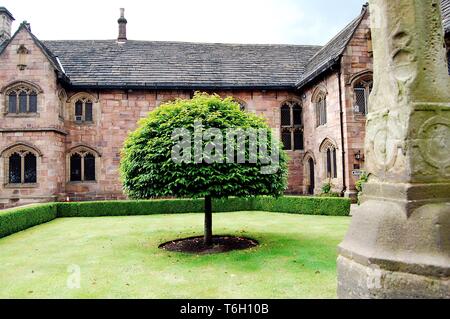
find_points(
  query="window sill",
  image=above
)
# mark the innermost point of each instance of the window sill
(21, 115)
(21, 186)
(81, 182)
(90, 123)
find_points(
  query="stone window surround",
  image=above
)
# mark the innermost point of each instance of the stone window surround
(309, 155)
(320, 95)
(62, 99)
(22, 148)
(292, 127)
(83, 150)
(243, 106)
(84, 97)
(329, 144)
(363, 76)
(4, 101)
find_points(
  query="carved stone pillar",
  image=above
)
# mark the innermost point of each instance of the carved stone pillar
(398, 244)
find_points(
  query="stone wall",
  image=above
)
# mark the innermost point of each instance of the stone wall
(43, 130)
(357, 63)
(116, 114)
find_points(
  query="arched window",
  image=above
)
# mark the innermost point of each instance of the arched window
(21, 165)
(361, 90)
(84, 110)
(62, 98)
(321, 109)
(22, 99)
(292, 126)
(328, 149)
(82, 162)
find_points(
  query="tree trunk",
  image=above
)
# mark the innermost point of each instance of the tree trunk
(208, 221)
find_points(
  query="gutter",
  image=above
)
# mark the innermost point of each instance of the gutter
(341, 115)
(327, 66)
(152, 86)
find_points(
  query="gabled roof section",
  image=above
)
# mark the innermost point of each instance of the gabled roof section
(180, 65)
(445, 8)
(5, 11)
(50, 56)
(330, 54)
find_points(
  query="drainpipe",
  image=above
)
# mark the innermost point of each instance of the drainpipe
(341, 107)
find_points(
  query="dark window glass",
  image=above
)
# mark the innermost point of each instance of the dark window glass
(360, 96)
(88, 115)
(321, 109)
(328, 163)
(23, 97)
(79, 108)
(285, 115)
(12, 105)
(298, 140)
(324, 111)
(89, 167)
(297, 115)
(33, 103)
(30, 168)
(15, 162)
(334, 164)
(75, 168)
(287, 140)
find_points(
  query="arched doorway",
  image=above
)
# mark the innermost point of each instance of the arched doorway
(312, 184)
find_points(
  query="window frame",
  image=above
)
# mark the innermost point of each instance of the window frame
(364, 84)
(329, 155)
(321, 109)
(23, 151)
(82, 152)
(293, 129)
(30, 92)
(84, 102)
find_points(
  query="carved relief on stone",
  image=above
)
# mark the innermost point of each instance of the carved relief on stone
(385, 136)
(403, 58)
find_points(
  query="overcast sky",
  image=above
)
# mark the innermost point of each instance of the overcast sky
(231, 21)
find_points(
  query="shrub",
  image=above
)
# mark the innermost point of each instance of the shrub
(364, 178)
(304, 205)
(330, 194)
(21, 218)
(326, 188)
(156, 163)
(18, 219)
(150, 207)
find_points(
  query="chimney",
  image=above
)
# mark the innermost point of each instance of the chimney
(122, 27)
(6, 20)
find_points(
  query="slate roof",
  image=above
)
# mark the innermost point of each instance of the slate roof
(445, 6)
(180, 65)
(331, 52)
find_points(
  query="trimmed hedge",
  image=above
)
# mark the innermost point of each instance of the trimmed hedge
(21, 218)
(18, 219)
(304, 205)
(150, 207)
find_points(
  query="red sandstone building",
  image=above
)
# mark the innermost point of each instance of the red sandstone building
(67, 106)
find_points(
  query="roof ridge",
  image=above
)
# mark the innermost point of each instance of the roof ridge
(360, 16)
(199, 43)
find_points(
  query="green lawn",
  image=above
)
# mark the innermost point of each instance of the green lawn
(119, 258)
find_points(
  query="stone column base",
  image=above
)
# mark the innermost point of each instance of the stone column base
(357, 281)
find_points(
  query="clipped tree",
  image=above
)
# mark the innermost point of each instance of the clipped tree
(164, 157)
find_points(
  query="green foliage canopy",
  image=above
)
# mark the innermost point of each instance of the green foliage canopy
(148, 170)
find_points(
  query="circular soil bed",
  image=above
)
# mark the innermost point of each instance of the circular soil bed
(221, 244)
